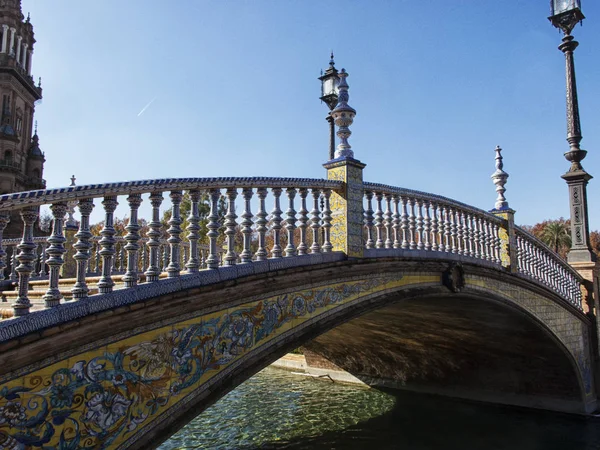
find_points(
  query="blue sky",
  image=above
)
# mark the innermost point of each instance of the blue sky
(436, 85)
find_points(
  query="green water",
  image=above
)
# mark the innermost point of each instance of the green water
(279, 410)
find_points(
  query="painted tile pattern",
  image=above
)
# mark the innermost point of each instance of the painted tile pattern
(102, 398)
(504, 242)
(347, 210)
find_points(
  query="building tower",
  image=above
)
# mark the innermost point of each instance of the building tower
(21, 160)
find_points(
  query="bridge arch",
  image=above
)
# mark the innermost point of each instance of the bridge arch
(189, 347)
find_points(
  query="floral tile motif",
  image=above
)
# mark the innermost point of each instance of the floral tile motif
(102, 398)
(347, 211)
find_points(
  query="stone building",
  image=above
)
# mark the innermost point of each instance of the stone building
(21, 160)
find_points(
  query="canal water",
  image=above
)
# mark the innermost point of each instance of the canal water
(279, 410)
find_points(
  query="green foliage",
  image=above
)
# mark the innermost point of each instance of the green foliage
(203, 212)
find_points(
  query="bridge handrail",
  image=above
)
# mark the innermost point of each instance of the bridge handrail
(393, 190)
(539, 243)
(46, 196)
(538, 261)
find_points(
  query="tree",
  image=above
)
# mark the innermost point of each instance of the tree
(556, 235)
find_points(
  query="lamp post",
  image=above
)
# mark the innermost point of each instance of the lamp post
(565, 14)
(329, 95)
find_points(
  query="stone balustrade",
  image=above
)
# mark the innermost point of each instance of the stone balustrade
(250, 220)
(170, 248)
(536, 260)
(408, 220)
(412, 220)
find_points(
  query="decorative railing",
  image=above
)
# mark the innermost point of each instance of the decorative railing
(408, 222)
(536, 260)
(398, 218)
(263, 234)
(413, 220)
(41, 269)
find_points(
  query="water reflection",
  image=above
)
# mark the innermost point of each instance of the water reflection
(279, 410)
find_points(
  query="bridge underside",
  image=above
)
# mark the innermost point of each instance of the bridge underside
(459, 346)
(129, 377)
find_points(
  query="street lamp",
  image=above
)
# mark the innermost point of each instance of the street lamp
(565, 15)
(329, 95)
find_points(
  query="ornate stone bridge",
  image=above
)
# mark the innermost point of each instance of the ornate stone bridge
(399, 287)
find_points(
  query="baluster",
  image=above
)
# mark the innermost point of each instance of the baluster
(420, 225)
(202, 259)
(186, 253)
(26, 257)
(143, 258)
(460, 246)
(42, 260)
(530, 264)
(448, 242)
(427, 226)
(532, 261)
(303, 219)
(551, 272)
(379, 220)
(122, 257)
(520, 265)
(482, 238)
(290, 223)
(524, 256)
(174, 231)
(470, 235)
(153, 271)
(261, 225)
(485, 240)
(369, 220)
(212, 262)
(453, 228)
(246, 255)
(412, 224)
(165, 256)
(396, 222)
(434, 228)
(537, 263)
(442, 226)
(388, 221)
(132, 238)
(83, 245)
(276, 227)
(404, 222)
(490, 241)
(327, 222)
(13, 263)
(315, 248)
(55, 251)
(497, 244)
(4, 219)
(34, 265)
(545, 268)
(230, 227)
(107, 242)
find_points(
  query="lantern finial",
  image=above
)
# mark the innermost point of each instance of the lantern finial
(499, 177)
(343, 115)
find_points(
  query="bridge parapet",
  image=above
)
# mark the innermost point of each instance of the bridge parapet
(418, 221)
(219, 196)
(413, 223)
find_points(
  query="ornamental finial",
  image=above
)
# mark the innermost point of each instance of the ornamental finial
(71, 223)
(35, 127)
(331, 61)
(499, 177)
(343, 116)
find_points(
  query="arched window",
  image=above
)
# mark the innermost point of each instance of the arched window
(8, 156)
(36, 173)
